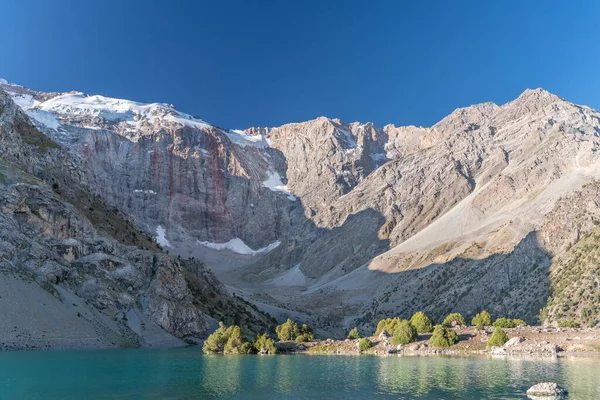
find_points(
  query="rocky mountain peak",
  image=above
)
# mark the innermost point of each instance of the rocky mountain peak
(340, 208)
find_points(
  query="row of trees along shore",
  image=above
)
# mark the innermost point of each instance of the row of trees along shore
(231, 340)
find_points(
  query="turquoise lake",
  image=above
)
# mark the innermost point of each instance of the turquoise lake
(187, 374)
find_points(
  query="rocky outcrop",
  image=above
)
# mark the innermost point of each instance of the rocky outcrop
(546, 390)
(101, 288)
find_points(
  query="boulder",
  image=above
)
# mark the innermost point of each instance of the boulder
(546, 390)
(300, 347)
(514, 341)
(383, 335)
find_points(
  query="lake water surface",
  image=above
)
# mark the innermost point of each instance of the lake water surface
(187, 374)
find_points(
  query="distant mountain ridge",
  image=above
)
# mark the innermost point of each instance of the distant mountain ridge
(343, 223)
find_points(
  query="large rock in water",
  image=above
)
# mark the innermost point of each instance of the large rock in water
(546, 390)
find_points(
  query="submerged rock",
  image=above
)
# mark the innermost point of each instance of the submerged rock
(546, 390)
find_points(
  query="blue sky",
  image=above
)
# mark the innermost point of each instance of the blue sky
(264, 63)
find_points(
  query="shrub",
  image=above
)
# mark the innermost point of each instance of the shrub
(454, 319)
(287, 330)
(481, 320)
(568, 324)
(405, 333)
(353, 334)
(443, 337)
(364, 344)
(263, 344)
(508, 323)
(306, 331)
(422, 322)
(302, 338)
(498, 338)
(388, 324)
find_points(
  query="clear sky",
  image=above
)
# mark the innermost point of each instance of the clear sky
(264, 63)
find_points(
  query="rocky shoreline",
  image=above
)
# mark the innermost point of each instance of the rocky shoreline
(526, 341)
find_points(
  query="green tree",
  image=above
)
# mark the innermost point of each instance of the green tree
(498, 338)
(454, 319)
(405, 333)
(306, 331)
(287, 330)
(236, 342)
(216, 342)
(364, 344)
(353, 334)
(443, 337)
(247, 348)
(388, 324)
(263, 344)
(422, 322)
(482, 320)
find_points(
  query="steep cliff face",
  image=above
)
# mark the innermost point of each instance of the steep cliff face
(339, 222)
(77, 284)
(180, 178)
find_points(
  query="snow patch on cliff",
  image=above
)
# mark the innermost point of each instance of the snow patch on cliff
(161, 237)
(347, 138)
(45, 118)
(243, 139)
(25, 101)
(236, 245)
(274, 183)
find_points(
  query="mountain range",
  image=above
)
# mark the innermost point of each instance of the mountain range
(142, 225)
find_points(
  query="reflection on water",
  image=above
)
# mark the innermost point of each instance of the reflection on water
(221, 375)
(187, 374)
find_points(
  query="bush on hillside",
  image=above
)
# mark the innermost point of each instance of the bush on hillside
(287, 330)
(353, 334)
(443, 337)
(568, 324)
(454, 319)
(405, 333)
(482, 320)
(389, 325)
(306, 331)
(422, 322)
(498, 338)
(302, 338)
(364, 344)
(509, 323)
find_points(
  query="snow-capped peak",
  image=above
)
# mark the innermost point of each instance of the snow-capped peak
(80, 104)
